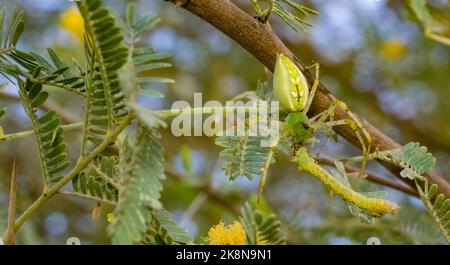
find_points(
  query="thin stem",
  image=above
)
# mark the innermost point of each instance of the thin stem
(89, 83)
(266, 13)
(195, 205)
(444, 40)
(68, 88)
(7, 50)
(265, 169)
(82, 164)
(101, 65)
(160, 113)
(256, 6)
(213, 194)
(430, 208)
(86, 196)
(30, 110)
(109, 179)
(65, 115)
(193, 111)
(377, 155)
(25, 134)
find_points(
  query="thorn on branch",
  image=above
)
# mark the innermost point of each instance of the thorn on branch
(179, 3)
(10, 235)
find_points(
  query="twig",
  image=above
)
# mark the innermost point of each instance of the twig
(81, 164)
(258, 39)
(212, 194)
(10, 233)
(66, 116)
(25, 134)
(86, 196)
(195, 205)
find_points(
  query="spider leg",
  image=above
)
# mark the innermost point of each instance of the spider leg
(317, 122)
(325, 119)
(265, 169)
(320, 118)
(365, 146)
(313, 88)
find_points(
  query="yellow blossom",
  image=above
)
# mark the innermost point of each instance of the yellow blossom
(230, 235)
(109, 217)
(260, 241)
(72, 21)
(393, 49)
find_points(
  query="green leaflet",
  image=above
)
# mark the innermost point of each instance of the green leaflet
(162, 230)
(10, 37)
(47, 129)
(106, 52)
(294, 21)
(421, 229)
(438, 207)
(2, 111)
(433, 29)
(414, 159)
(243, 155)
(57, 73)
(53, 72)
(141, 186)
(101, 183)
(261, 226)
(283, 8)
(143, 60)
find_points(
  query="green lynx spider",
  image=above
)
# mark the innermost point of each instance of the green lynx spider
(292, 90)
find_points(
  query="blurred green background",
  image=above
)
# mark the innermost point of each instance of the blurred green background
(372, 56)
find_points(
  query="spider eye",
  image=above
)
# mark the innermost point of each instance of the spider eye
(289, 85)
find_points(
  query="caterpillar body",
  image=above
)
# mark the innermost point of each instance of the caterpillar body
(377, 207)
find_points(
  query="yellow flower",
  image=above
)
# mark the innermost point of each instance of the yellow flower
(393, 49)
(110, 217)
(72, 21)
(230, 235)
(260, 241)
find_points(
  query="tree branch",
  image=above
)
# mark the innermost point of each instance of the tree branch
(206, 189)
(260, 41)
(66, 116)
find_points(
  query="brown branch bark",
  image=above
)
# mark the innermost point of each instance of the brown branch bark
(260, 41)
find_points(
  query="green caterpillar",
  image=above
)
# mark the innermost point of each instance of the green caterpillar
(375, 206)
